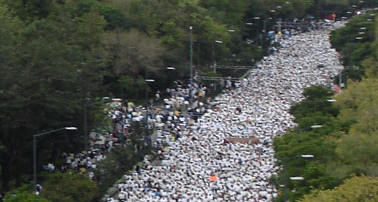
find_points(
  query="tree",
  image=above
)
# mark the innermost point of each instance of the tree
(358, 146)
(226, 11)
(24, 197)
(68, 187)
(305, 140)
(363, 189)
(30, 10)
(132, 52)
(44, 76)
(111, 13)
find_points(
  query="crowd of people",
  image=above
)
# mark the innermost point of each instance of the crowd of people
(171, 118)
(198, 160)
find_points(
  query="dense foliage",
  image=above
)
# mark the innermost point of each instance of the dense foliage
(59, 56)
(23, 195)
(68, 187)
(355, 43)
(363, 189)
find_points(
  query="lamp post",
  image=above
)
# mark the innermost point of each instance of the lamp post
(258, 33)
(315, 102)
(215, 62)
(148, 81)
(190, 62)
(191, 54)
(297, 178)
(151, 101)
(35, 150)
(85, 128)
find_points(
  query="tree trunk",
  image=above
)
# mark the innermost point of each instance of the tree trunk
(5, 173)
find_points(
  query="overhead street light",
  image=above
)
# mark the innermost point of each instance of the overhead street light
(296, 178)
(307, 156)
(316, 126)
(171, 68)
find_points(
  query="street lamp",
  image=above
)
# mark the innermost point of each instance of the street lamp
(316, 126)
(86, 120)
(148, 81)
(307, 156)
(296, 178)
(304, 156)
(215, 62)
(191, 54)
(258, 35)
(171, 68)
(35, 150)
(315, 102)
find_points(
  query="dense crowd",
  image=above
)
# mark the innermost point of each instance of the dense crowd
(200, 162)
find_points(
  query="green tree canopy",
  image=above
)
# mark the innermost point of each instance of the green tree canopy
(68, 187)
(43, 66)
(24, 197)
(362, 189)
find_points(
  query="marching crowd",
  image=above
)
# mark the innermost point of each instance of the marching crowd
(200, 162)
